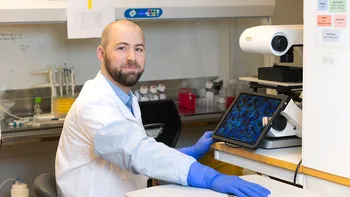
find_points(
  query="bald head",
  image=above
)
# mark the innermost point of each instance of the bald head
(122, 53)
(119, 26)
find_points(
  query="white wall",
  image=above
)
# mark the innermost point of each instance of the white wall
(326, 94)
(175, 49)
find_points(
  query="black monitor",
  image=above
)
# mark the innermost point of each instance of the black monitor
(249, 118)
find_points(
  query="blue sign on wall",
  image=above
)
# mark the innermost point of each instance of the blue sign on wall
(143, 13)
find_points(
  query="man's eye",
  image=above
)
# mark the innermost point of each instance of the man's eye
(121, 48)
(139, 49)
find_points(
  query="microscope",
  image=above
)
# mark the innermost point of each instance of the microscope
(278, 40)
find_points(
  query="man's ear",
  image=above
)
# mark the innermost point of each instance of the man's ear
(100, 53)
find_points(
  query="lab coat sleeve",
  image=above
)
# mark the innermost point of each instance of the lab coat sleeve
(124, 143)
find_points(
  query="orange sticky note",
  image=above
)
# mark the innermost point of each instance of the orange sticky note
(340, 21)
(324, 20)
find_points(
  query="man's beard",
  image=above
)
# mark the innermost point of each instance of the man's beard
(126, 79)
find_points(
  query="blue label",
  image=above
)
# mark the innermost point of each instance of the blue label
(143, 13)
(322, 5)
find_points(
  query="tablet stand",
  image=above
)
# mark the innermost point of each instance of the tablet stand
(280, 142)
(232, 145)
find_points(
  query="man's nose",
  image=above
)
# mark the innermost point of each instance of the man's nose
(131, 55)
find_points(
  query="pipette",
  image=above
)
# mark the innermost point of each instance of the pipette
(66, 75)
(54, 93)
(72, 80)
(60, 76)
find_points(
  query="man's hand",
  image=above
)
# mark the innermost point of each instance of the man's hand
(203, 144)
(202, 176)
(201, 147)
(237, 186)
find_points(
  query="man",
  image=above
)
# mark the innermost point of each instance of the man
(104, 150)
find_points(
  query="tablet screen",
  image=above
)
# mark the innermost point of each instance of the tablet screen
(244, 121)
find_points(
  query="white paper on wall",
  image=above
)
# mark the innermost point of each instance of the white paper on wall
(88, 18)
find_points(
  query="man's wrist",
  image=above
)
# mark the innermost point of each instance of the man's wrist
(201, 176)
(190, 151)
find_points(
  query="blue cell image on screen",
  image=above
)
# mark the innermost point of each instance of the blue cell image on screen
(244, 122)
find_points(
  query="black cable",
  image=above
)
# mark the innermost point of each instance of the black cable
(296, 172)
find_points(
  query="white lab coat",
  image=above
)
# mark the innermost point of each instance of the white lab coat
(104, 149)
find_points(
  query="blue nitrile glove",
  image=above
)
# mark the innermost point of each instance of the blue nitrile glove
(204, 177)
(201, 147)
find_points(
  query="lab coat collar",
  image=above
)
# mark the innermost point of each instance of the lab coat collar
(125, 111)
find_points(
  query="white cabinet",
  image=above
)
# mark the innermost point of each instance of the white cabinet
(53, 11)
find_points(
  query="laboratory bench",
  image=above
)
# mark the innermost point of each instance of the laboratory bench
(282, 163)
(202, 115)
(279, 163)
(12, 135)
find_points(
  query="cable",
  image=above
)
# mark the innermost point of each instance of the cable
(296, 172)
(9, 179)
(18, 180)
(8, 113)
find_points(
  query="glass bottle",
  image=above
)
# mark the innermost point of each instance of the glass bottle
(37, 109)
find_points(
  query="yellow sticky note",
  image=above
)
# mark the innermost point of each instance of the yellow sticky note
(90, 4)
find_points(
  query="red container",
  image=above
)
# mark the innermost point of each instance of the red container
(187, 100)
(229, 101)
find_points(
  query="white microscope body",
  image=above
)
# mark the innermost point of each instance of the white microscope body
(277, 40)
(271, 39)
(289, 123)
